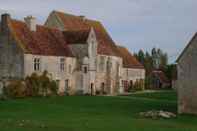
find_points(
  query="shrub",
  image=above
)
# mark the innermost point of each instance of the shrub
(16, 89)
(98, 92)
(139, 85)
(34, 85)
(40, 85)
(53, 87)
(44, 83)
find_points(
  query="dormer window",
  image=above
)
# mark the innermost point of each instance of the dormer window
(37, 64)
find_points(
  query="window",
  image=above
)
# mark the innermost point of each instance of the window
(109, 65)
(102, 63)
(85, 69)
(62, 61)
(125, 85)
(36, 64)
(70, 69)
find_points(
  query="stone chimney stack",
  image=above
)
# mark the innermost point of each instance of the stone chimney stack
(4, 22)
(30, 22)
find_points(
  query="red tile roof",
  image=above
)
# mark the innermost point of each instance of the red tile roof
(129, 61)
(106, 45)
(43, 41)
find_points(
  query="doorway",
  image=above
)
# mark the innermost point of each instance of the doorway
(66, 86)
(92, 89)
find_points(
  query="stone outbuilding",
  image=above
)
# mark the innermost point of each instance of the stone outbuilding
(187, 78)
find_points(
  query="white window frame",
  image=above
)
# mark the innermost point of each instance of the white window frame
(62, 64)
(37, 64)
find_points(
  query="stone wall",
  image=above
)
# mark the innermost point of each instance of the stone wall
(132, 74)
(11, 55)
(52, 65)
(187, 79)
(109, 76)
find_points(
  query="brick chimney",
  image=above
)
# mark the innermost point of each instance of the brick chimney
(30, 22)
(4, 22)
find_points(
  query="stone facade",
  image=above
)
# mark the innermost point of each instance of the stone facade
(11, 55)
(187, 78)
(52, 64)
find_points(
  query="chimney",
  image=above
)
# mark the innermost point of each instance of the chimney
(82, 17)
(4, 22)
(30, 22)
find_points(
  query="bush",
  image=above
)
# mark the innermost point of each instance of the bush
(148, 82)
(41, 85)
(53, 87)
(139, 85)
(16, 89)
(98, 92)
(44, 83)
(33, 85)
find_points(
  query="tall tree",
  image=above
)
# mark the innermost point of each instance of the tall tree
(141, 57)
(148, 63)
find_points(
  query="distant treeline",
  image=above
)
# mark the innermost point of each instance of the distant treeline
(157, 59)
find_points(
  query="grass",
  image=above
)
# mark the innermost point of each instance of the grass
(78, 113)
(159, 95)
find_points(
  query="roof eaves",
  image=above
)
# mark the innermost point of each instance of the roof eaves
(190, 42)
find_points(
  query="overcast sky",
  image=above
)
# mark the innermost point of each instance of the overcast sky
(136, 24)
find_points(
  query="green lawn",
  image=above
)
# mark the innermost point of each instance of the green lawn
(160, 95)
(77, 113)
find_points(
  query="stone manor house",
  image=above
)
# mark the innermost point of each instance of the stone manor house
(77, 52)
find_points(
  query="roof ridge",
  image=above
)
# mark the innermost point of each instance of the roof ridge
(73, 15)
(39, 25)
(187, 46)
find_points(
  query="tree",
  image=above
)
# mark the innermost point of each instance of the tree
(170, 71)
(148, 63)
(157, 59)
(141, 56)
(164, 60)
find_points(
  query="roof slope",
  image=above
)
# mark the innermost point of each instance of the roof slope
(188, 45)
(106, 45)
(43, 41)
(76, 36)
(129, 61)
